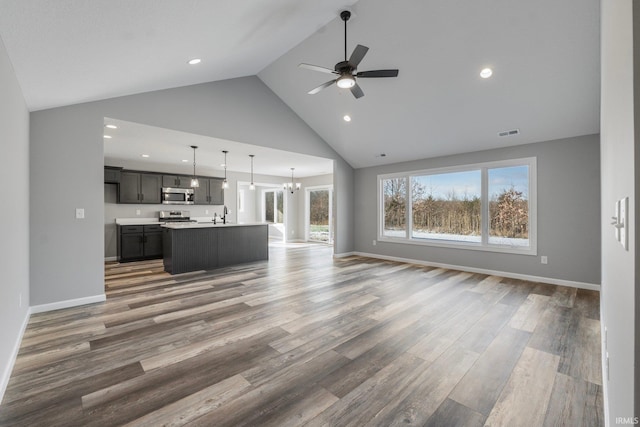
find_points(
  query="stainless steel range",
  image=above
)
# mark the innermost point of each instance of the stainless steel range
(175, 216)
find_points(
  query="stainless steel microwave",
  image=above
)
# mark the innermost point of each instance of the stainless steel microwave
(177, 196)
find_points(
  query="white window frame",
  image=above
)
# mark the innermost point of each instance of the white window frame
(240, 200)
(484, 245)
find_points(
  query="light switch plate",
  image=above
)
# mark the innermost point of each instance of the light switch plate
(617, 219)
(79, 213)
(622, 219)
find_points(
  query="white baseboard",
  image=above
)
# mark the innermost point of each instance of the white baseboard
(6, 374)
(345, 254)
(68, 303)
(110, 258)
(550, 280)
(603, 358)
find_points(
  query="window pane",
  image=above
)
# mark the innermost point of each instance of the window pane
(319, 215)
(509, 206)
(395, 207)
(268, 206)
(280, 207)
(447, 206)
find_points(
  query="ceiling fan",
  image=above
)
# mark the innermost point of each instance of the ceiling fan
(347, 70)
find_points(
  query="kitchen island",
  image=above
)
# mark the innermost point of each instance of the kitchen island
(205, 246)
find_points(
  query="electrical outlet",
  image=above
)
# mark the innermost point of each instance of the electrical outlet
(137, 211)
(206, 211)
(79, 213)
(374, 242)
(543, 259)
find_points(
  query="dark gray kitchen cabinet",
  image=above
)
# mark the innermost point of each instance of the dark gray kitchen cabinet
(176, 181)
(152, 241)
(112, 175)
(136, 187)
(216, 192)
(201, 193)
(137, 242)
(209, 192)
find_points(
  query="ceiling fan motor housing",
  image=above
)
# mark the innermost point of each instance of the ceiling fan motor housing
(344, 67)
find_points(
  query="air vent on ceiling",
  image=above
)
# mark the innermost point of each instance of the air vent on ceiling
(509, 132)
(381, 155)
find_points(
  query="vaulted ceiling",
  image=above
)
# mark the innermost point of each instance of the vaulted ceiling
(544, 55)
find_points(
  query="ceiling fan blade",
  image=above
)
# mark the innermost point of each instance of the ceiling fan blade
(318, 68)
(358, 53)
(322, 86)
(378, 73)
(357, 91)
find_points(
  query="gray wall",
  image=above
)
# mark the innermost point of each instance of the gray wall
(618, 147)
(14, 215)
(568, 212)
(66, 153)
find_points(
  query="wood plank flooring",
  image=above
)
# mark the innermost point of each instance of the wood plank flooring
(304, 339)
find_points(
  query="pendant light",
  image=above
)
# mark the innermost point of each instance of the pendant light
(225, 183)
(291, 186)
(252, 186)
(194, 180)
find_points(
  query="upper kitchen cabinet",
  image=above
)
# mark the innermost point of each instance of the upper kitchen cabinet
(209, 192)
(112, 175)
(176, 181)
(216, 192)
(201, 192)
(138, 187)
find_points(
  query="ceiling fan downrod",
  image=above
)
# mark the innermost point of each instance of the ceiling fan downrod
(345, 15)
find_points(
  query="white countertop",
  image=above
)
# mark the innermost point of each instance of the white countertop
(185, 225)
(137, 221)
(151, 221)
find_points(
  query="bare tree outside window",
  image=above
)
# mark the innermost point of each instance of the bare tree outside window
(447, 206)
(395, 206)
(509, 205)
(319, 215)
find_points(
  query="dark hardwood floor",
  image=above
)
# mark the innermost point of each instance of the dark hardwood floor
(304, 339)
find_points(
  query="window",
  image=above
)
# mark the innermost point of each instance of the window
(509, 206)
(489, 206)
(395, 207)
(274, 206)
(446, 206)
(318, 207)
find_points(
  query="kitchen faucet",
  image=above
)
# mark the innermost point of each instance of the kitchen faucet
(225, 211)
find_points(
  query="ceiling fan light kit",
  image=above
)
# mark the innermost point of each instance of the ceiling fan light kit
(347, 70)
(345, 82)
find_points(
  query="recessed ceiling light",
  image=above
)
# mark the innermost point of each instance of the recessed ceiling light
(194, 61)
(145, 156)
(111, 126)
(107, 137)
(185, 161)
(347, 118)
(486, 73)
